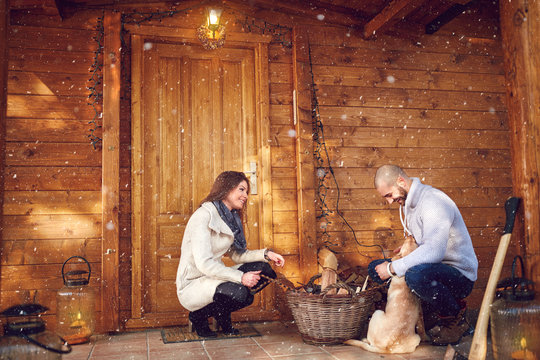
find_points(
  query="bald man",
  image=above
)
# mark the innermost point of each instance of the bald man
(443, 269)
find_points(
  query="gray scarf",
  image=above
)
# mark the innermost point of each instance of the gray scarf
(232, 219)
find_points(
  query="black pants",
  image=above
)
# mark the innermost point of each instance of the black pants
(230, 296)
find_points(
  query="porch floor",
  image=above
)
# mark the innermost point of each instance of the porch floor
(279, 340)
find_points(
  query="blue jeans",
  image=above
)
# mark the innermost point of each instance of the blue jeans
(439, 286)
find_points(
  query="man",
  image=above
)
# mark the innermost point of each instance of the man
(443, 269)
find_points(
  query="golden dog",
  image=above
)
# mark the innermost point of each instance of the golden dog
(393, 330)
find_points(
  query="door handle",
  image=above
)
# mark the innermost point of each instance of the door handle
(252, 173)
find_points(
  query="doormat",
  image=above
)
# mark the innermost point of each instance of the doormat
(182, 334)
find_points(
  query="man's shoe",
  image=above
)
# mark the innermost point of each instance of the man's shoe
(450, 329)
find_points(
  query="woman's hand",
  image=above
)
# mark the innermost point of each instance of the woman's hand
(251, 278)
(276, 258)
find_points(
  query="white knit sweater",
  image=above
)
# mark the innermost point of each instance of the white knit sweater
(439, 230)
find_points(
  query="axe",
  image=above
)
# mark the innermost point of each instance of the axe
(478, 348)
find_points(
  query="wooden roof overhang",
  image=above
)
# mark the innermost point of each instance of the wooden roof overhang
(368, 17)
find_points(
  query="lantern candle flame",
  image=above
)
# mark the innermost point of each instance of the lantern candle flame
(77, 324)
(523, 354)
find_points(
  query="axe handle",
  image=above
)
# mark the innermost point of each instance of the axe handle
(479, 343)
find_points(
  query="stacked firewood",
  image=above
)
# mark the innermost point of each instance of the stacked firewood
(331, 279)
(355, 278)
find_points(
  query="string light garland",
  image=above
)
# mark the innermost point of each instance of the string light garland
(96, 95)
(279, 33)
(321, 156)
(137, 18)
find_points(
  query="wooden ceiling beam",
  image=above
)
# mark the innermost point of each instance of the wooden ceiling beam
(298, 12)
(389, 15)
(47, 7)
(338, 9)
(455, 10)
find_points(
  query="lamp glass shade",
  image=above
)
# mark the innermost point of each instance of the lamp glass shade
(214, 18)
(75, 305)
(515, 329)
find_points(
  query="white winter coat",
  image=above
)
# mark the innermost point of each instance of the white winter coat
(206, 239)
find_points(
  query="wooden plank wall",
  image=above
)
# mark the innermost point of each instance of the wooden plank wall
(52, 193)
(4, 20)
(431, 103)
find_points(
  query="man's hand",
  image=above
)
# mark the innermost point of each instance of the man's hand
(382, 271)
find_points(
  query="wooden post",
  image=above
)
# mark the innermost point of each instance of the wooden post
(520, 28)
(263, 111)
(111, 170)
(305, 168)
(4, 27)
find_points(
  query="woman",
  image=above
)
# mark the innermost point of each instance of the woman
(205, 286)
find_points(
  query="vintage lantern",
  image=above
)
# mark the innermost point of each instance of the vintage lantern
(212, 33)
(515, 319)
(25, 336)
(75, 304)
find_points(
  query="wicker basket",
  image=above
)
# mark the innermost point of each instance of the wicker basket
(330, 319)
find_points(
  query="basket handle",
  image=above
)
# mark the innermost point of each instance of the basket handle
(338, 285)
(310, 284)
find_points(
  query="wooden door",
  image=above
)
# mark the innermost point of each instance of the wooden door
(198, 117)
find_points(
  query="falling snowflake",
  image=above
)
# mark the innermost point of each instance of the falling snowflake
(110, 225)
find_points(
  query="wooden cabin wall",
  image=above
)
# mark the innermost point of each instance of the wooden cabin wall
(432, 104)
(4, 21)
(52, 193)
(53, 190)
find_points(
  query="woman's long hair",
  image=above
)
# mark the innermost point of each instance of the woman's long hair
(224, 184)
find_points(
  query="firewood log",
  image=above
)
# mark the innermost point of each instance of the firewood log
(328, 261)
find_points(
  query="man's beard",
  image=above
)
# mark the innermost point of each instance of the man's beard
(402, 195)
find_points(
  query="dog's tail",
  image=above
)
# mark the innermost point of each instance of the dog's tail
(364, 344)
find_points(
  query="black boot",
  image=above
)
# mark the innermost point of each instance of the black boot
(224, 322)
(199, 322)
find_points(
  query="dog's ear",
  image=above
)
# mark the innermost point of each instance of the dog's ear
(409, 245)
